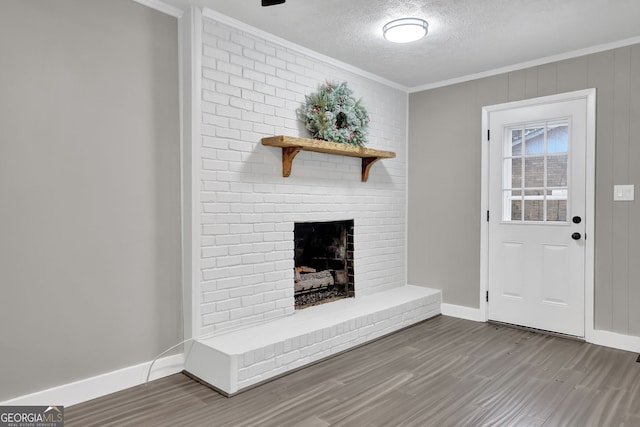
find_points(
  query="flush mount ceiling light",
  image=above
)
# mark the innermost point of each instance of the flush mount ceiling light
(405, 30)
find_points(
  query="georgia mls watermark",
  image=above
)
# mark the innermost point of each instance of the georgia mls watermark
(31, 416)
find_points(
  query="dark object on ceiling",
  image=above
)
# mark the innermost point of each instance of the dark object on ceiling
(271, 2)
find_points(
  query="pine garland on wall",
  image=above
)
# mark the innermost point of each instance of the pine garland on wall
(333, 114)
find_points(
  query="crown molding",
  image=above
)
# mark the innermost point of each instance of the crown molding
(224, 19)
(528, 64)
(162, 7)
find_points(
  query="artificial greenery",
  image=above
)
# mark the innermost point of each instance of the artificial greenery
(333, 114)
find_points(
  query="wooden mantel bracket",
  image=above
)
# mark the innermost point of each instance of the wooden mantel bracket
(367, 162)
(288, 154)
(292, 146)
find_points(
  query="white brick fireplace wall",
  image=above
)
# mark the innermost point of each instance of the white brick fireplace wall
(252, 87)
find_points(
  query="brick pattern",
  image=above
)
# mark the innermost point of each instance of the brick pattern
(252, 88)
(275, 359)
(234, 361)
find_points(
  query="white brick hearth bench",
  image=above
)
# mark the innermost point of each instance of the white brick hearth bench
(240, 359)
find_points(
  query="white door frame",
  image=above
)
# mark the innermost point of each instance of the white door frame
(589, 276)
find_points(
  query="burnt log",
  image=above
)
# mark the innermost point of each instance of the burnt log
(321, 279)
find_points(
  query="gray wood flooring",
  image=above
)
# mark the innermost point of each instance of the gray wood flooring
(442, 372)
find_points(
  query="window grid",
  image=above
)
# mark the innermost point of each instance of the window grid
(530, 195)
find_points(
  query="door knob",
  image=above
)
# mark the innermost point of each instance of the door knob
(576, 220)
(576, 236)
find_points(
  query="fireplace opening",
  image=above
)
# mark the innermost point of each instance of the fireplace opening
(323, 262)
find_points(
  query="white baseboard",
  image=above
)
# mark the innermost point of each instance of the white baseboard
(462, 312)
(614, 340)
(101, 385)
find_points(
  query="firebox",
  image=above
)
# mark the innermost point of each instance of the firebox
(323, 262)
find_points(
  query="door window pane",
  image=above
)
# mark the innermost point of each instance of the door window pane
(557, 210)
(516, 178)
(557, 171)
(558, 138)
(534, 140)
(516, 210)
(534, 171)
(516, 142)
(534, 205)
(514, 198)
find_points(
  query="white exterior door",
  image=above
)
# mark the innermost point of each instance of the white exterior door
(536, 231)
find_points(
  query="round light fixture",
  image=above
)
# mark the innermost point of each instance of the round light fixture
(405, 30)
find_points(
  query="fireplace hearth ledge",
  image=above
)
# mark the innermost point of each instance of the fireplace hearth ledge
(238, 360)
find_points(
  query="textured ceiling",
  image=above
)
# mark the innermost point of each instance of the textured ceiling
(466, 37)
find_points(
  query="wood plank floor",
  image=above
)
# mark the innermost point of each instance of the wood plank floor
(442, 372)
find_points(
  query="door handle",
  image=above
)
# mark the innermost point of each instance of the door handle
(576, 220)
(576, 236)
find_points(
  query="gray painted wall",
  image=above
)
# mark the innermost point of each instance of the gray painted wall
(89, 190)
(444, 178)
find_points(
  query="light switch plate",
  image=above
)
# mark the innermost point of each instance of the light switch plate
(623, 192)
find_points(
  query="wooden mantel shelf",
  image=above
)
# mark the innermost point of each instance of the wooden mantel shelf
(292, 146)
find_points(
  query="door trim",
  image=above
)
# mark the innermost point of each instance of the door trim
(589, 276)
